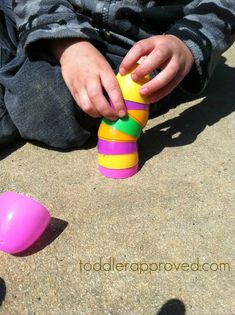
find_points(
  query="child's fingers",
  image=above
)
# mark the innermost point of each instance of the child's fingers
(84, 102)
(154, 60)
(162, 79)
(95, 94)
(111, 86)
(140, 49)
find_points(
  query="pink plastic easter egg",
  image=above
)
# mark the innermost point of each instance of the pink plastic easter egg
(22, 221)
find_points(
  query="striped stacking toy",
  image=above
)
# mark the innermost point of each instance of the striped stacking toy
(117, 143)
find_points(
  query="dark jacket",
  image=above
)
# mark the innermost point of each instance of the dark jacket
(206, 27)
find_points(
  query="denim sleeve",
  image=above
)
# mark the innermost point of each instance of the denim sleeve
(208, 29)
(50, 19)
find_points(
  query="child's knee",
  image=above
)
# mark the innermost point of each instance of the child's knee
(42, 108)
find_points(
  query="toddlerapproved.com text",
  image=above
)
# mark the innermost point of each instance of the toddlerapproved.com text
(112, 264)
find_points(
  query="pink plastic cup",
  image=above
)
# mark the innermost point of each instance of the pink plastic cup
(22, 221)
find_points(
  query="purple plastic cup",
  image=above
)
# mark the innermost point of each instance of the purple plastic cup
(115, 147)
(118, 173)
(22, 221)
(133, 105)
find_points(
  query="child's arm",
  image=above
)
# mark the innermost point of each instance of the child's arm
(207, 30)
(50, 19)
(84, 69)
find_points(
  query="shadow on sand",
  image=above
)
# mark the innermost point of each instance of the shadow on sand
(54, 229)
(3, 290)
(218, 102)
(172, 307)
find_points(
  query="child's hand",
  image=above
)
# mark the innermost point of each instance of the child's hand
(165, 52)
(86, 73)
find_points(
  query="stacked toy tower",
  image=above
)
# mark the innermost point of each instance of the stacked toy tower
(117, 144)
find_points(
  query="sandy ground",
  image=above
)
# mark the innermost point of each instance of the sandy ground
(174, 216)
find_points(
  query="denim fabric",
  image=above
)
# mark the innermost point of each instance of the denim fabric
(8, 132)
(34, 100)
(8, 44)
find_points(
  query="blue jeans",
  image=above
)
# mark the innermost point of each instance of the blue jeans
(8, 131)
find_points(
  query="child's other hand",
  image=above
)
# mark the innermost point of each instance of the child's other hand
(86, 73)
(165, 52)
